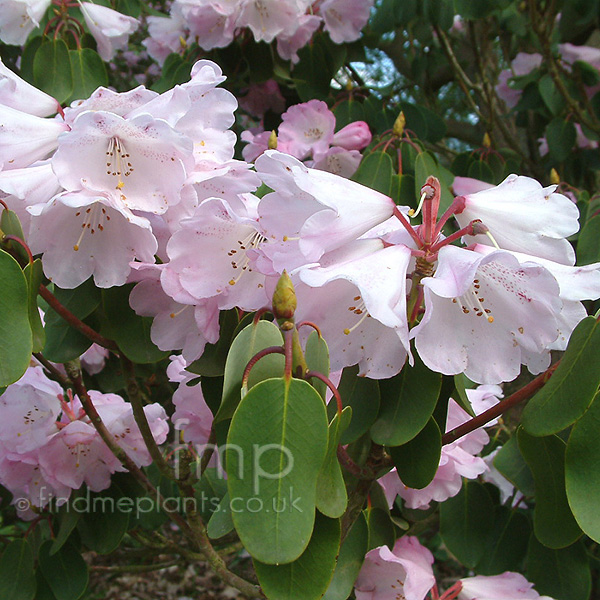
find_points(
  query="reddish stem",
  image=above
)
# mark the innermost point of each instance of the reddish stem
(500, 408)
(21, 243)
(74, 322)
(310, 324)
(329, 384)
(413, 234)
(4, 204)
(256, 358)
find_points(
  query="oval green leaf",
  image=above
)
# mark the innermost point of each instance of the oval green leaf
(65, 571)
(52, 70)
(307, 577)
(582, 471)
(247, 343)
(417, 461)
(573, 386)
(376, 171)
(17, 579)
(275, 449)
(553, 521)
(466, 522)
(401, 418)
(15, 331)
(332, 498)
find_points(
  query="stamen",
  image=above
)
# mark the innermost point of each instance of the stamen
(117, 161)
(358, 309)
(412, 213)
(493, 240)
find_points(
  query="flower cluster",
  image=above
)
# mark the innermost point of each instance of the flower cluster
(110, 29)
(292, 23)
(118, 178)
(48, 446)
(308, 133)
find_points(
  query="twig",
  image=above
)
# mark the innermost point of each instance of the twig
(135, 398)
(500, 408)
(74, 322)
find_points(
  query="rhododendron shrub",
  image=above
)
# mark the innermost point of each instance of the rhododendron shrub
(306, 291)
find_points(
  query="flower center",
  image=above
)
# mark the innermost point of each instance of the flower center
(117, 161)
(94, 218)
(357, 308)
(240, 264)
(473, 302)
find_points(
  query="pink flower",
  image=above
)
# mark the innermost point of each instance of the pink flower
(355, 136)
(110, 29)
(269, 18)
(345, 18)
(485, 317)
(467, 185)
(28, 411)
(18, 18)
(522, 64)
(17, 93)
(339, 162)
(508, 586)
(522, 216)
(288, 45)
(83, 234)
(403, 573)
(307, 128)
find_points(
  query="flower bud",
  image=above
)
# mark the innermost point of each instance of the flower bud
(554, 177)
(272, 144)
(399, 124)
(487, 140)
(284, 298)
(355, 136)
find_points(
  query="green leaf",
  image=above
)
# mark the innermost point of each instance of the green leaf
(331, 488)
(573, 386)
(376, 171)
(221, 521)
(362, 394)
(17, 579)
(308, 576)
(247, 343)
(33, 274)
(401, 418)
(68, 519)
(553, 521)
(275, 449)
(65, 571)
(511, 464)
(582, 471)
(563, 574)
(129, 330)
(460, 385)
(10, 225)
(381, 529)
(417, 461)
(507, 543)
(475, 10)
(347, 112)
(52, 70)
(89, 72)
(29, 51)
(561, 136)
(552, 98)
(105, 518)
(316, 354)
(350, 560)
(15, 331)
(312, 74)
(588, 249)
(466, 522)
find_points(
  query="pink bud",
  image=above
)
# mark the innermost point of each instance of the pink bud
(355, 136)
